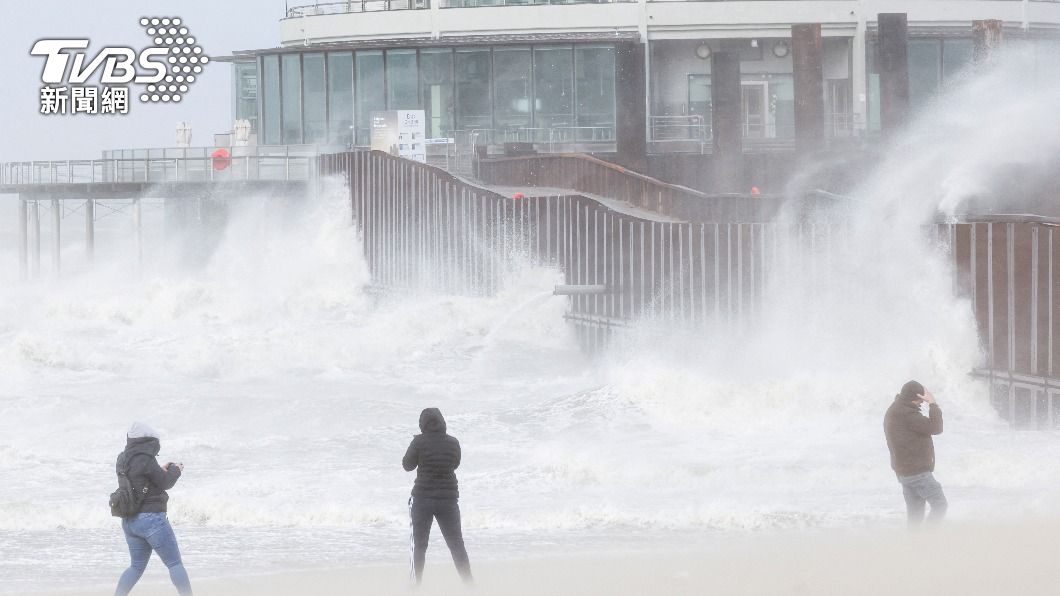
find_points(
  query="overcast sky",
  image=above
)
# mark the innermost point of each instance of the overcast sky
(220, 26)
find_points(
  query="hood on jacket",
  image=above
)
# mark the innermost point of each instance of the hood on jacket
(139, 430)
(431, 421)
(911, 391)
(146, 445)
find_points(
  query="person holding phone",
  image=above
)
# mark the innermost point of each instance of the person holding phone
(149, 531)
(912, 449)
(435, 456)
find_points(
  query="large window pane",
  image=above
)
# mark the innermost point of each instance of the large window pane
(473, 89)
(313, 89)
(925, 62)
(340, 98)
(554, 87)
(595, 68)
(956, 54)
(292, 98)
(245, 75)
(402, 80)
(270, 82)
(436, 85)
(369, 93)
(511, 92)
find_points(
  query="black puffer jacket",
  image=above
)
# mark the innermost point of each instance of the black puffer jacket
(435, 456)
(909, 435)
(143, 470)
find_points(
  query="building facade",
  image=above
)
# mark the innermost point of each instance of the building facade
(574, 75)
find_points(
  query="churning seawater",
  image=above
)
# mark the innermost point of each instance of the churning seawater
(290, 391)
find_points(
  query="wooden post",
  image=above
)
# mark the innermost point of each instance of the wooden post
(893, 47)
(726, 121)
(987, 37)
(808, 59)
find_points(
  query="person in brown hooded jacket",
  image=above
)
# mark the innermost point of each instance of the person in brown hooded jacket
(909, 434)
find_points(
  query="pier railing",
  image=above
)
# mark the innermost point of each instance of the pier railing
(424, 228)
(181, 164)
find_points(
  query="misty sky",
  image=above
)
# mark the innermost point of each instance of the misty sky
(220, 27)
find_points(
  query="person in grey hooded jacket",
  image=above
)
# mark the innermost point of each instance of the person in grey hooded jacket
(149, 531)
(435, 456)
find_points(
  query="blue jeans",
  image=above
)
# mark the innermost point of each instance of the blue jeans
(151, 532)
(920, 490)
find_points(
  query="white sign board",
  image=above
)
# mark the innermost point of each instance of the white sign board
(401, 132)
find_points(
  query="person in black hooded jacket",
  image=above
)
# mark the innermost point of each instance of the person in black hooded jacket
(149, 531)
(435, 456)
(908, 434)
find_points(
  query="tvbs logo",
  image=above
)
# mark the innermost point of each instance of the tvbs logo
(165, 70)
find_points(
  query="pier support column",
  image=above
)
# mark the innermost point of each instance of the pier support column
(808, 60)
(987, 37)
(23, 239)
(34, 215)
(90, 229)
(631, 107)
(57, 215)
(138, 232)
(727, 122)
(894, 71)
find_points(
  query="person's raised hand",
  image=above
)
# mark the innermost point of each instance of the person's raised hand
(927, 396)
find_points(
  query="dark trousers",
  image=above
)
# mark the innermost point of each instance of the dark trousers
(423, 511)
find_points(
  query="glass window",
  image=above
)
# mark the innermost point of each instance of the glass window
(270, 83)
(340, 98)
(314, 98)
(511, 92)
(291, 84)
(369, 94)
(699, 106)
(925, 67)
(1048, 59)
(781, 105)
(553, 86)
(436, 85)
(402, 80)
(956, 54)
(473, 89)
(595, 68)
(245, 97)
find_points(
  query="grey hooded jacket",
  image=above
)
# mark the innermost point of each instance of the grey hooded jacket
(435, 456)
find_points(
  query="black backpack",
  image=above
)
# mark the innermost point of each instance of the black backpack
(126, 501)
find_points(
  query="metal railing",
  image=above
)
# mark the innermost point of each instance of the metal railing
(328, 8)
(193, 164)
(354, 6)
(679, 128)
(484, 3)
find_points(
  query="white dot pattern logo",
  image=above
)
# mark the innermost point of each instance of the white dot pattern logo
(171, 34)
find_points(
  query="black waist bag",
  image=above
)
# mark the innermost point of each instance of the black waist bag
(126, 501)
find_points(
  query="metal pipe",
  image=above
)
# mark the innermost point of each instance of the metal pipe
(23, 239)
(581, 289)
(138, 232)
(56, 236)
(35, 253)
(90, 229)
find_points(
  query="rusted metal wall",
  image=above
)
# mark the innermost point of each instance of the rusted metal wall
(1009, 271)
(423, 228)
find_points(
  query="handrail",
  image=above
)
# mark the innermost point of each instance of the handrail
(158, 170)
(358, 6)
(351, 6)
